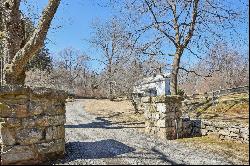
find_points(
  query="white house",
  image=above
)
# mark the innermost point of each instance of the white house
(153, 86)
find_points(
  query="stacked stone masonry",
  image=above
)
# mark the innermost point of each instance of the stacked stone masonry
(32, 128)
(163, 117)
(226, 131)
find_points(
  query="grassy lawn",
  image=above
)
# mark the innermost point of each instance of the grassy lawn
(237, 153)
(232, 108)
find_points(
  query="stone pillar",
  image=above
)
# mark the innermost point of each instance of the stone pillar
(32, 124)
(163, 115)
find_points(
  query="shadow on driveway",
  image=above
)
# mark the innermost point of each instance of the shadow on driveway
(94, 150)
(105, 124)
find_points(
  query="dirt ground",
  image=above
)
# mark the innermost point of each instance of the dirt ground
(123, 113)
(117, 111)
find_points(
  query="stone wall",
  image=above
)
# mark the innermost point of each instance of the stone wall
(32, 128)
(226, 131)
(164, 117)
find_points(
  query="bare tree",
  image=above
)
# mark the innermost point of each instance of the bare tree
(227, 67)
(183, 25)
(16, 51)
(111, 39)
(41, 60)
(69, 73)
(69, 67)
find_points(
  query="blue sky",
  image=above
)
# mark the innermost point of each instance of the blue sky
(75, 17)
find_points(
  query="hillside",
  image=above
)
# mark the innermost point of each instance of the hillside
(231, 108)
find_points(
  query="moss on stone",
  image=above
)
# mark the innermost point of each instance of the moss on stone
(3, 106)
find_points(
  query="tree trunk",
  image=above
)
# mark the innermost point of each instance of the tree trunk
(13, 36)
(174, 72)
(109, 80)
(110, 91)
(17, 53)
(13, 33)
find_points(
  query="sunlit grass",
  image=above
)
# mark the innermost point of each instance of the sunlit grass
(234, 107)
(234, 151)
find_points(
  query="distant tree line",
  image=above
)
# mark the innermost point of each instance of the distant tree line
(146, 37)
(227, 68)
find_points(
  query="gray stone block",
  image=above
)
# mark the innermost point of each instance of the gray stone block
(8, 136)
(51, 147)
(55, 132)
(17, 154)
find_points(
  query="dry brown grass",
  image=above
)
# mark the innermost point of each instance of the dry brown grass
(238, 113)
(121, 112)
(234, 107)
(97, 106)
(237, 153)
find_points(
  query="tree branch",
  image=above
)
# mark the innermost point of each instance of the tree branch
(192, 71)
(176, 26)
(193, 22)
(157, 24)
(36, 41)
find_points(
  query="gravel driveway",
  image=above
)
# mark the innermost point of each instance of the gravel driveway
(96, 140)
